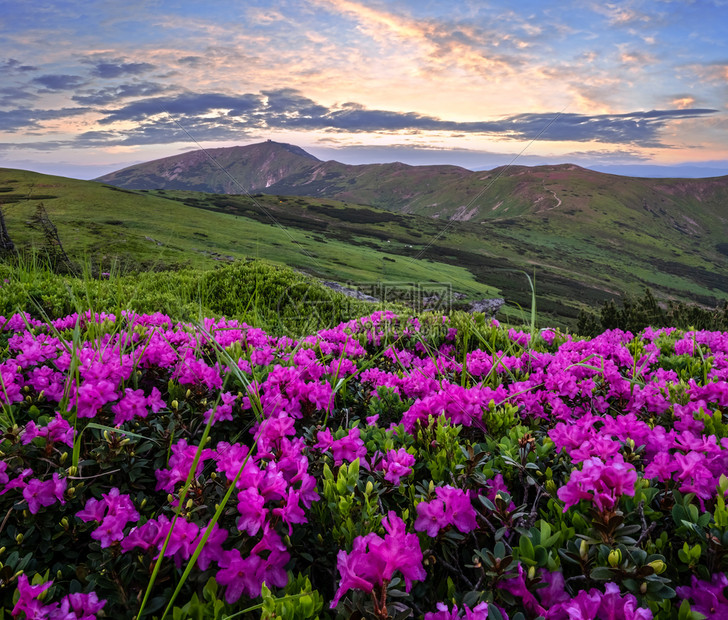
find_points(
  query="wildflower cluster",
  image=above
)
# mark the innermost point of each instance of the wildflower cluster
(383, 468)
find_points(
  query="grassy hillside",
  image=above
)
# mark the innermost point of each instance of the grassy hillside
(581, 256)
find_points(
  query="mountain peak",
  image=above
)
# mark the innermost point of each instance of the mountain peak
(291, 148)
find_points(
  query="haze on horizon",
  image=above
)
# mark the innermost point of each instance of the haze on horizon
(638, 85)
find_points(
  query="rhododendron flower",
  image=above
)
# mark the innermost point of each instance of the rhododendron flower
(374, 560)
(28, 602)
(238, 575)
(397, 464)
(113, 512)
(349, 448)
(18, 482)
(431, 517)
(46, 493)
(602, 483)
(212, 549)
(595, 605)
(707, 598)
(93, 395)
(452, 507)
(78, 606)
(57, 430)
(133, 404)
(252, 512)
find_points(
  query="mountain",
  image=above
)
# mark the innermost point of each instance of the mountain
(232, 170)
(587, 236)
(445, 192)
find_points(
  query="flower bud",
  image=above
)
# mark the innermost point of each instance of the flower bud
(175, 404)
(531, 572)
(72, 470)
(189, 504)
(64, 457)
(188, 393)
(59, 574)
(643, 588)
(170, 498)
(658, 566)
(2, 550)
(584, 550)
(71, 491)
(19, 537)
(615, 557)
(369, 488)
(64, 523)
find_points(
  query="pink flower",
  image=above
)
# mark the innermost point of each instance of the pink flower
(238, 575)
(252, 512)
(431, 517)
(349, 447)
(602, 483)
(458, 508)
(28, 602)
(398, 464)
(78, 606)
(374, 560)
(47, 493)
(707, 598)
(133, 404)
(452, 507)
(212, 550)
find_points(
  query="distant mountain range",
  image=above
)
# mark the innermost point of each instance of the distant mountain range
(445, 192)
(587, 236)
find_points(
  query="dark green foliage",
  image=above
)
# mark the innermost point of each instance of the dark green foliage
(635, 314)
(276, 298)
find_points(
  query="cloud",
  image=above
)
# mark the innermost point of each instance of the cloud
(59, 81)
(116, 69)
(185, 105)
(10, 95)
(286, 109)
(111, 94)
(442, 43)
(11, 65)
(24, 119)
(683, 101)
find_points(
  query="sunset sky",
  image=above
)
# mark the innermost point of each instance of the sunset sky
(92, 86)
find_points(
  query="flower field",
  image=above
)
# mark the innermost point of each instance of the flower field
(386, 468)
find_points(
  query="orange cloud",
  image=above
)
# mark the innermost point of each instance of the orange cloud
(683, 102)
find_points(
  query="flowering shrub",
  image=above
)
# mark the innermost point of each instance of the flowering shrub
(384, 468)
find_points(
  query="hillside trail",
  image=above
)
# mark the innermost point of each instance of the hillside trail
(553, 193)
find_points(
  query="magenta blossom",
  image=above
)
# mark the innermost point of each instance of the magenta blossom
(452, 507)
(374, 560)
(602, 483)
(47, 493)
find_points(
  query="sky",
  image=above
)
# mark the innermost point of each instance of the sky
(92, 86)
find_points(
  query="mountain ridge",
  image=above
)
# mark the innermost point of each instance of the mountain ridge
(441, 191)
(587, 237)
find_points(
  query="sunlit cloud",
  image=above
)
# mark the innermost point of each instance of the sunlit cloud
(648, 76)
